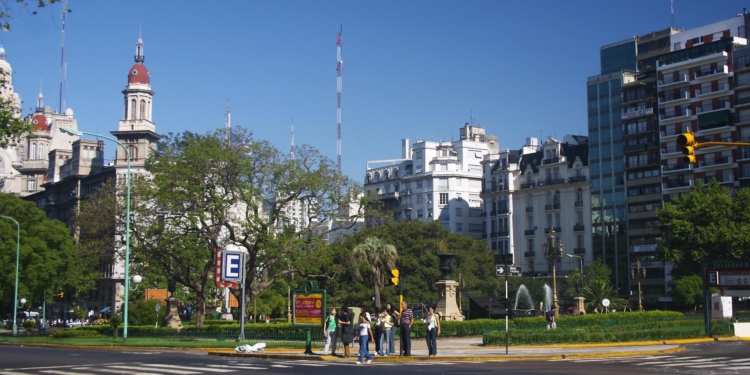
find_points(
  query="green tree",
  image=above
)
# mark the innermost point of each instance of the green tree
(597, 291)
(377, 258)
(47, 254)
(707, 225)
(208, 193)
(688, 291)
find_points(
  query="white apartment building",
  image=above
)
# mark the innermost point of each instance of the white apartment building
(435, 181)
(530, 192)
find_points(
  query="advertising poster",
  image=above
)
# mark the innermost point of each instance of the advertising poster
(308, 309)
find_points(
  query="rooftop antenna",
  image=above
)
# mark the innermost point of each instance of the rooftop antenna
(228, 123)
(671, 5)
(339, 68)
(291, 149)
(63, 61)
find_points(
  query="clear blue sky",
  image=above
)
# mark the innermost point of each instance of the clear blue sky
(413, 69)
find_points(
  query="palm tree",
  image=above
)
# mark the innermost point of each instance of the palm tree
(597, 290)
(379, 258)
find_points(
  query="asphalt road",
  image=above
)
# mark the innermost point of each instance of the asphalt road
(710, 358)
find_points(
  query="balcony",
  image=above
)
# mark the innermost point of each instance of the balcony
(552, 181)
(671, 82)
(502, 211)
(579, 251)
(742, 84)
(493, 235)
(683, 115)
(493, 213)
(529, 232)
(677, 184)
(406, 206)
(529, 209)
(722, 88)
(391, 195)
(579, 204)
(674, 99)
(551, 160)
(741, 102)
(557, 230)
(548, 207)
(575, 179)
(529, 254)
(715, 161)
(712, 73)
(578, 228)
(671, 150)
(674, 131)
(527, 185)
(684, 167)
(503, 233)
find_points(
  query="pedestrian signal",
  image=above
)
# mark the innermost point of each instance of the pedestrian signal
(688, 145)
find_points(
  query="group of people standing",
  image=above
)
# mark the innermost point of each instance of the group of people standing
(387, 321)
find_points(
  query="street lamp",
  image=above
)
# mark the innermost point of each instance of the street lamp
(638, 273)
(580, 282)
(127, 226)
(553, 250)
(18, 255)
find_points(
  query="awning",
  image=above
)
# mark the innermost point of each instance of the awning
(106, 309)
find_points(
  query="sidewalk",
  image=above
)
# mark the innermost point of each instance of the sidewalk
(471, 349)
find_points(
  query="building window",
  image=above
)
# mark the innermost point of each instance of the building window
(33, 151)
(32, 183)
(143, 110)
(132, 109)
(419, 154)
(458, 211)
(41, 152)
(420, 213)
(419, 198)
(419, 184)
(459, 227)
(579, 195)
(443, 198)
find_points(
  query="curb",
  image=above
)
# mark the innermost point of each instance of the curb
(540, 357)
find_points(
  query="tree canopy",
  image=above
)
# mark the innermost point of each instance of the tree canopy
(48, 257)
(707, 225)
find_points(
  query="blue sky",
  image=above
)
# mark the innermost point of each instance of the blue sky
(413, 69)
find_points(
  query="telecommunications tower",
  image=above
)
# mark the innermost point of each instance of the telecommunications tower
(63, 61)
(339, 68)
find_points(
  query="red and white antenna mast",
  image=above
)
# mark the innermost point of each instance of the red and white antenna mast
(339, 68)
(63, 62)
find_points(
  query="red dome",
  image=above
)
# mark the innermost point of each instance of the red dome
(138, 74)
(39, 122)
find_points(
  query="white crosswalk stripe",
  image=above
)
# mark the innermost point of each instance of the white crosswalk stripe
(673, 362)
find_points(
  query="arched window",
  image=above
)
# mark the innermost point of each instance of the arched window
(133, 152)
(33, 151)
(132, 109)
(143, 110)
(21, 154)
(41, 151)
(579, 195)
(2, 165)
(549, 197)
(579, 170)
(556, 199)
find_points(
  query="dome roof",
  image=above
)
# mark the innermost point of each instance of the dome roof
(69, 112)
(138, 74)
(39, 122)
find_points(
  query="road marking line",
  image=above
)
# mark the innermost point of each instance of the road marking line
(184, 367)
(66, 372)
(739, 360)
(115, 371)
(738, 368)
(13, 373)
(706, 359)
(68, 366)
(709, 365)
(242, 367)
(281, 366)
(182, 372)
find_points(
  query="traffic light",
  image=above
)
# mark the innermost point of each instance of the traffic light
(61, 295)
(688, 145)
(394, 279)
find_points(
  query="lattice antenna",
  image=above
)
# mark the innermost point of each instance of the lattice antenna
(228, 124)
(63, 61)
(339, 68)
(291, 149)
(671, 5)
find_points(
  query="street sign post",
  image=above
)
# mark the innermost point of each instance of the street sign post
(232, 266)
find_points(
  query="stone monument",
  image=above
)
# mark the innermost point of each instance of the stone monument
(172, 318)
(580, 307)
(446, 306)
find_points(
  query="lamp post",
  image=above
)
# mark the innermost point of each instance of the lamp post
(580, 282)
(638, 273)
(553, 250)
(127, 226)
(18, 255)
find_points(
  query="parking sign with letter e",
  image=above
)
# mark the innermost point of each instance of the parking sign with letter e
(232, 266)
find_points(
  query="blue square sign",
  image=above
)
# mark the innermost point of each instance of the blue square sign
(232, 266)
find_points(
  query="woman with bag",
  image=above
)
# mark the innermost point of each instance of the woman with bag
(386, 322)
(330, 332)
(433, 330)
(347, 331)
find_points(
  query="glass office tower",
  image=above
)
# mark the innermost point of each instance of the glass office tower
(606, 165)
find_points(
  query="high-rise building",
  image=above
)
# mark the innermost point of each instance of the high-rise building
(435, 181)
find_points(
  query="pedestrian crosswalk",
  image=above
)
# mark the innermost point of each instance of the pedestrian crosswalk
(673, 362)
(229, 367)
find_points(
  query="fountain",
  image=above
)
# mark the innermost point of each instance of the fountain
(547, 297)
(522, 295)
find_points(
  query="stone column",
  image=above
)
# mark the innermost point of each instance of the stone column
(446, 306)
(172, 318)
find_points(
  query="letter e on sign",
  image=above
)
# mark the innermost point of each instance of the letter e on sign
(232, 266)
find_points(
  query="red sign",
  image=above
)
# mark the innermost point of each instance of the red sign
(308, 308)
